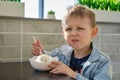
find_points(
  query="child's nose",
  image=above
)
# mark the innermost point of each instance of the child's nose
(74, 32)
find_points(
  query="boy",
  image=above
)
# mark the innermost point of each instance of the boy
(80, 59)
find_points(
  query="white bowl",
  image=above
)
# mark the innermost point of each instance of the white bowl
(40, 65)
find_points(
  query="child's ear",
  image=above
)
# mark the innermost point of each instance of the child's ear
(94, 31)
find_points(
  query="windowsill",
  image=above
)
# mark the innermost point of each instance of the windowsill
(101, 16)
(26, 18)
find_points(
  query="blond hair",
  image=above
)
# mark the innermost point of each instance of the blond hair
(80, 11)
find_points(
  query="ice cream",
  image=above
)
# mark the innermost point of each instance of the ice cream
(45, 58)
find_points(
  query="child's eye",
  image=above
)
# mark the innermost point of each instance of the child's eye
(79, 28)
(68, 29)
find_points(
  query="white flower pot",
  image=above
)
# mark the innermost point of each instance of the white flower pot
(51, 16)
(8, 8)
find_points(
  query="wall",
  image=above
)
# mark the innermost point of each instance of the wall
(16, 38)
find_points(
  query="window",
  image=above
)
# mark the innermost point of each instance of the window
(40, 8)
(58, 6)
(32, 8)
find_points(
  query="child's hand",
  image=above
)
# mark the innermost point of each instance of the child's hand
(37, 48)
(61, 68)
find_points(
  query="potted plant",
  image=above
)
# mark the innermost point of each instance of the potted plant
(105, 10)
(51, 14)
(12, 0)
(13, 8)
(107, 5)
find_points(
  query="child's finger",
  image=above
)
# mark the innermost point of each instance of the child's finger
(41, 46)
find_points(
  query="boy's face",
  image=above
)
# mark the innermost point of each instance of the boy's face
(78, 32)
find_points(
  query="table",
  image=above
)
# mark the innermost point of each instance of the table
(24, 71)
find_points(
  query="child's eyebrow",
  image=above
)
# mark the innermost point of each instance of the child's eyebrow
(67, 25)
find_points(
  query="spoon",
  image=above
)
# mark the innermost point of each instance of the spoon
(35, 40)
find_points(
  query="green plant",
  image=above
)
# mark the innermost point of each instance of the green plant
(112, 5)
(12, 0)
(51, 12)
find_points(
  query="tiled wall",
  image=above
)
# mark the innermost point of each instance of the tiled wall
(109, 42)
(16, 39)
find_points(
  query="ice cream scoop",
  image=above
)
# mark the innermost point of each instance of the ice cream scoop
(45, 58)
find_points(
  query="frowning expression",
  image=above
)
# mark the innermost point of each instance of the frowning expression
(78, 32)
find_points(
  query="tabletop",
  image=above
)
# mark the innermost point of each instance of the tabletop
(24, 71)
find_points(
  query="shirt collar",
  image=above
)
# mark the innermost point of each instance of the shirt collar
(94, 54)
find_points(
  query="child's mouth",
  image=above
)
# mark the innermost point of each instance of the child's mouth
(75, 40)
